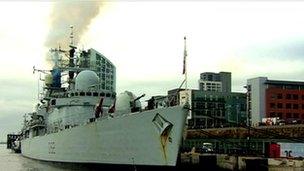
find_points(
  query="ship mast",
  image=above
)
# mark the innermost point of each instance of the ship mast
(71, 37)
(71, 56)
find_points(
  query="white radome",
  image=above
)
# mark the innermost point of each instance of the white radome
(85, 80)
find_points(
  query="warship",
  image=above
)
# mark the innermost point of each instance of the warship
(79, 118)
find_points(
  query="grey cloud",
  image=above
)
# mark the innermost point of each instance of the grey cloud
(286, 49)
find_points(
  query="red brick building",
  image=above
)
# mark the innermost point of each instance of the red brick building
(285, 99)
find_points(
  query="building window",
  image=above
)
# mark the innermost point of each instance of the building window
(302, 97)
(221, 106)
(272, 114)
(98, 57)
(288, 115)
(279, 96)
(272, 105)
(53, 102)
(280, 105)
(288, 96)
(302, 106)
(208, 113)
(295, 106)
(295, 115)
(273, 96)
(288, 106)
(199, 113)
(291, 87)
(295, 97)
(280, 114)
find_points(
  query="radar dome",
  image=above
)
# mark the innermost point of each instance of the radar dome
(86, 80)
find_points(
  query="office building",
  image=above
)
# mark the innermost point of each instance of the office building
(275, 98)
(219, 82)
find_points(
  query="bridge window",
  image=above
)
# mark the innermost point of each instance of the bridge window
(81, 93)
(113, 95)
(89, 94)
(108, 95)
(95, 94)
(72, 94)
(76, 94)
(53, 102)
(102, 94)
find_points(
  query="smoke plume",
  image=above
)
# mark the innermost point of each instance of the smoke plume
(64, 14)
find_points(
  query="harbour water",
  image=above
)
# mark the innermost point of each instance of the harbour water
(15, 162)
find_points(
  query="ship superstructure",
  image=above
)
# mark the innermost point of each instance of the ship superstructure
(79, 118)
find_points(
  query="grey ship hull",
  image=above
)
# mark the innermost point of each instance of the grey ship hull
(148, 138)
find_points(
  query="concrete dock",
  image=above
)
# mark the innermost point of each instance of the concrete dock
(232, 162)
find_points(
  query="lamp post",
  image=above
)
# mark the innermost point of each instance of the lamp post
(248, 88)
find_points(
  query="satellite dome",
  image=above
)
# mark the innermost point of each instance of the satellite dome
(86, 80)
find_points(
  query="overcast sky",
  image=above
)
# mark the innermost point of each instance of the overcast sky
(145, 42)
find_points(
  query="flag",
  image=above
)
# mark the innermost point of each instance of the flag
(185, 56)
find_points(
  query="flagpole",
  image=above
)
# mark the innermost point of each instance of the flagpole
(185, 64)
